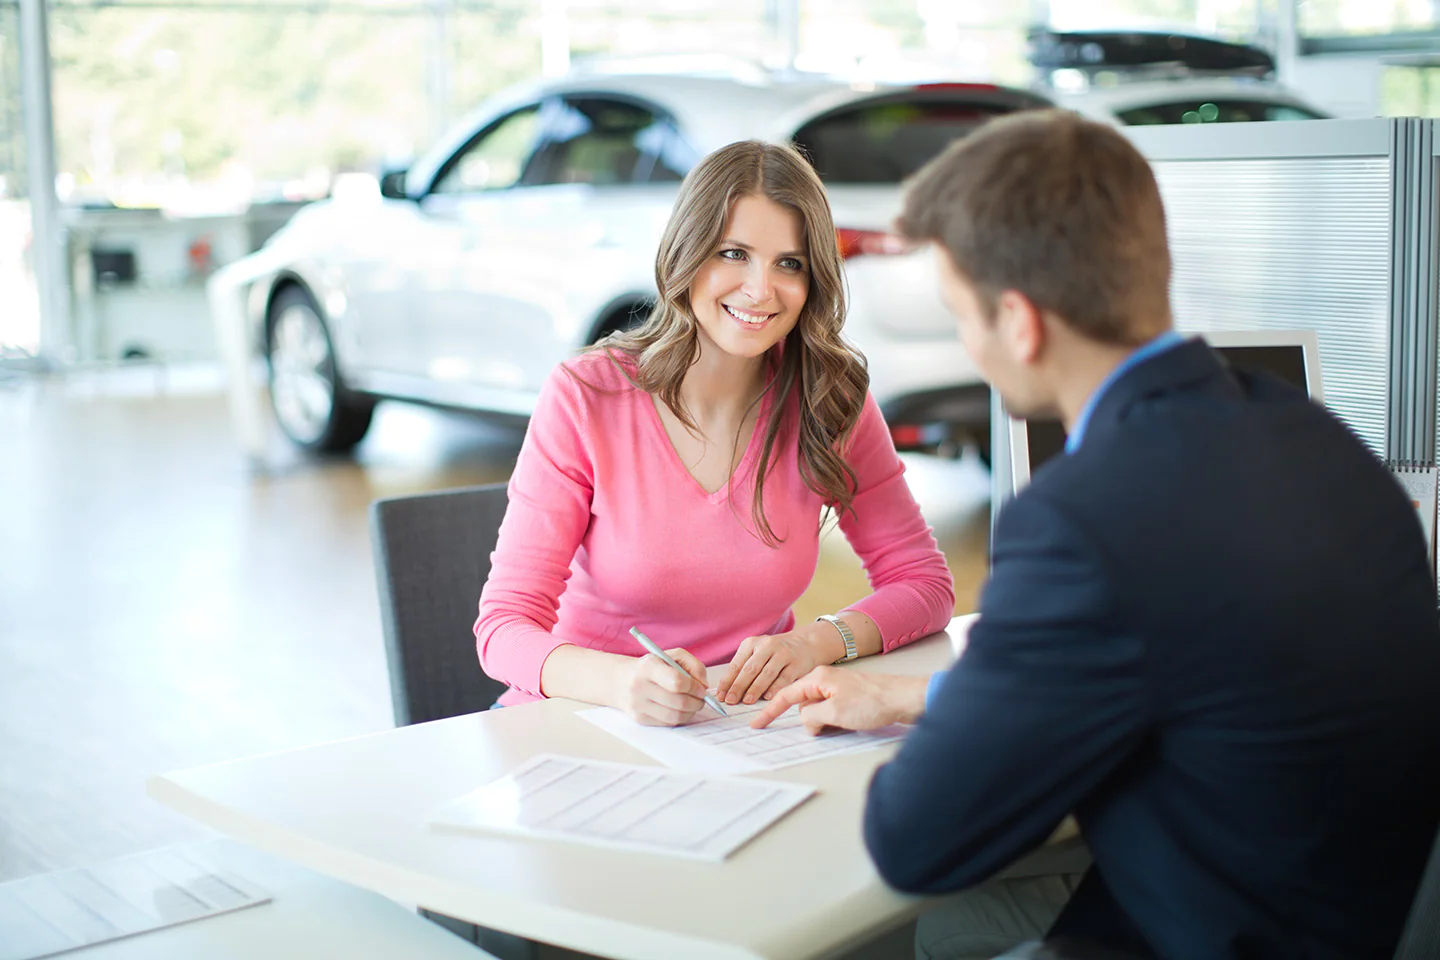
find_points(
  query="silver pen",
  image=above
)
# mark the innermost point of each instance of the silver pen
(650, 646)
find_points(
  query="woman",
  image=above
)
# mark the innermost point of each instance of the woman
(676, 475)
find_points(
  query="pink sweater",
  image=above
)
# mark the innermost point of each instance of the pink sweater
(600, 501)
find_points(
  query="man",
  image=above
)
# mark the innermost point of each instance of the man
(1209, 632)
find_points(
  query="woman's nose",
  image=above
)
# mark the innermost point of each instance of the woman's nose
(757, 285)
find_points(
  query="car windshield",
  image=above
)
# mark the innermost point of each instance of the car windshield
(1214, 111)
(887, 141)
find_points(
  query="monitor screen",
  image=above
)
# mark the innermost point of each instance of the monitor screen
(1293, 356)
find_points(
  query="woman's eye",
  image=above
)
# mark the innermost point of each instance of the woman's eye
(790, 263)
(732, 254)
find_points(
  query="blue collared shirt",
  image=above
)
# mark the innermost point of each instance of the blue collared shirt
(1155, 347)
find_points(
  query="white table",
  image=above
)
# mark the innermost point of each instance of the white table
(310, 917)
(357, 810)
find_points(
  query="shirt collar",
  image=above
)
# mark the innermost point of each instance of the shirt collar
(1159, 345)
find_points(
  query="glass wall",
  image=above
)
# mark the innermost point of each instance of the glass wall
(1248, 20)
(663, 31)
(1359, 18)
(913, 40)
(204, 107)
(1410, 91)
(19, 309)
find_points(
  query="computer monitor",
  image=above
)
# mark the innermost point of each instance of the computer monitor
(1291, 355)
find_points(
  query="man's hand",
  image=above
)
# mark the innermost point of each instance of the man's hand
(836, 697)
(652, 692)
(762, 666)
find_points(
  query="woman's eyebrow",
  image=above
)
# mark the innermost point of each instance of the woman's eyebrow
(797, 254)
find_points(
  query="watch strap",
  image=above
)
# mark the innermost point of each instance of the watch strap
(849, 638)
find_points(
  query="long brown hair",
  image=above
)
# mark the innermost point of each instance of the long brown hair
(814, 362)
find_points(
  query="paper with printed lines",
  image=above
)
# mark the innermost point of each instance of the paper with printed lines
(722, 746)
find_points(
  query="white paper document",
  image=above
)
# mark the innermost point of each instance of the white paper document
(726, 745)
(55, 912)
(623, 805)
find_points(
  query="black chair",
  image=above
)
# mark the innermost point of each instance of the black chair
(432, 556)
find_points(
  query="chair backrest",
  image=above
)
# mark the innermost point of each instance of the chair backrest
(1421, 940)
(432, 556)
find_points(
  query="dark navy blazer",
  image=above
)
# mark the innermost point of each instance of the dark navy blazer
(1211, 634)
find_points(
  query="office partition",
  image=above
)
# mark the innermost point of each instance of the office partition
(1326, 225)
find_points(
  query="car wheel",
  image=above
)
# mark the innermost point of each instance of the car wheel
(311, 403)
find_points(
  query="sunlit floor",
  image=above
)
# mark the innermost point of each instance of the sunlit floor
(165, 603)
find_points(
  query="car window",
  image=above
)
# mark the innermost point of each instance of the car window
(1213, 111)
(602, 141)
(886, 142)
(497, 158)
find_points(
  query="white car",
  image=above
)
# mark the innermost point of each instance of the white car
(1136, 78)
(1190, 100)
(530, 231)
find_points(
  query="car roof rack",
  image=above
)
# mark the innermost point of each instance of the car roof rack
(1145, 55)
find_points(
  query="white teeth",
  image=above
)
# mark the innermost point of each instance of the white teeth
(754, 321)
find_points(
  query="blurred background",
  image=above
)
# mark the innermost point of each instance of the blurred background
(198, 113)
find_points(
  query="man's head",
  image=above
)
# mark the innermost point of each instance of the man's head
(1050, 236)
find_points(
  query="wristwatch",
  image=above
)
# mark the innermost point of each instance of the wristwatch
(850, 652)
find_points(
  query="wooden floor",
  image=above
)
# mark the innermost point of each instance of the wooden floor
(166, 603)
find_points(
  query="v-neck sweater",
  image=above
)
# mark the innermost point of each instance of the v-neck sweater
(606, 530)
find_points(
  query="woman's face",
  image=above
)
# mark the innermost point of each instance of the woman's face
(748, 295)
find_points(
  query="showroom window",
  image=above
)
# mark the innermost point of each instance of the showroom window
(1357, 18)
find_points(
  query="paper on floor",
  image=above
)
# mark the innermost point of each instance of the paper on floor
(56, 912)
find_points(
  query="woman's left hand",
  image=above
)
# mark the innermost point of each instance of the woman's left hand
(765, 665)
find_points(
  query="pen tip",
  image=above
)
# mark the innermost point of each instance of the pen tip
(634, 632)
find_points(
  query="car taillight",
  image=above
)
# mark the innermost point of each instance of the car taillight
(906, 436)
(870, 243)
(918, 436)
(951, 85)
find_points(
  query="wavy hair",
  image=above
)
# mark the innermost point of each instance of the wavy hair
(814, 361)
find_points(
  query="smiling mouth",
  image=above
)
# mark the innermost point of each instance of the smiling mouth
(749, 319)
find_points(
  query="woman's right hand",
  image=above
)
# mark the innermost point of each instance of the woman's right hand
(652, 692)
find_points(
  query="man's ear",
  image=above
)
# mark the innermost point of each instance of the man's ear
(1021, 326)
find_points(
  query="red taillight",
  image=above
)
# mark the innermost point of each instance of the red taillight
(952, 85)
(870, 243)
(906, 436)
(918, 436)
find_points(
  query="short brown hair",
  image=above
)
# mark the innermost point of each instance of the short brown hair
(1062, 209)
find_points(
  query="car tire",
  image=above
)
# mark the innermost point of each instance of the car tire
(311, 403)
